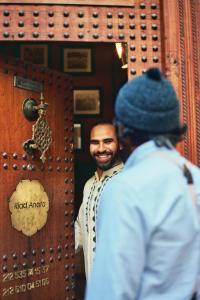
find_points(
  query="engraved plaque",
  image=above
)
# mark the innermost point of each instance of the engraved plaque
(28, 84)
(29, 206)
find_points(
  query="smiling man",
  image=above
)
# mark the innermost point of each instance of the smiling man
(104, 149)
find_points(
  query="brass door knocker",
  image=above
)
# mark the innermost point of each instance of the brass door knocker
(41, 132)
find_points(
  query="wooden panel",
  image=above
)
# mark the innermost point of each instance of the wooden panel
(182, 65)
(195, 34)
(172, 55)
(40, 266)
(69, 23)
(138, 26)
(144, 44)
(76, 2)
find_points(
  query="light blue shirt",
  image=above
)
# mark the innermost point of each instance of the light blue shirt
(148, 239)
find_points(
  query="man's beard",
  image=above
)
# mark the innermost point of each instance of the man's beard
(107, 165)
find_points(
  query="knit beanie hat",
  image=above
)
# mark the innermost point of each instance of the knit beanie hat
(148, 103)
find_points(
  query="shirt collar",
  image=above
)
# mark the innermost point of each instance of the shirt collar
(144, 150)
(110, 171)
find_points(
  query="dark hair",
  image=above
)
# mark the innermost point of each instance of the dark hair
(103, 122)
(138, 137)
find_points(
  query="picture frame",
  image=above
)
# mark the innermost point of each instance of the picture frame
(35, 54)
(87, 101)
(78, 136)
(77, 60)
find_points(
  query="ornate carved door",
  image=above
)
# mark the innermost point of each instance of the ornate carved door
(36, 207)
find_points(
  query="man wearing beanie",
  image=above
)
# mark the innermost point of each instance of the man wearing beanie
(148, 223)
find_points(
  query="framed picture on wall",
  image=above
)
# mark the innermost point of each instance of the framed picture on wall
(34, 53)
(77, 60)
(86, 101)
(78, 143)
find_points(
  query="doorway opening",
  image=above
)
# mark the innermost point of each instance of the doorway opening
(97, 75)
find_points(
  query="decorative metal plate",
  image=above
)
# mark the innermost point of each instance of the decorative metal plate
(29, 206)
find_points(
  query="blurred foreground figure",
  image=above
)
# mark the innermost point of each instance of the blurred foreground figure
(148, 226)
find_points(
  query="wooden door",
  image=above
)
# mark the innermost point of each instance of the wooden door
(41, 265)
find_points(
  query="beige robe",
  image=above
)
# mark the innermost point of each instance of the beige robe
(85, 225)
